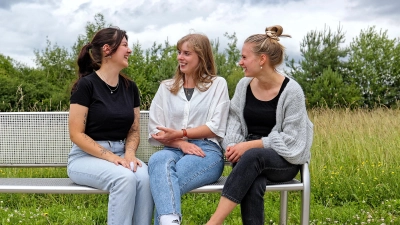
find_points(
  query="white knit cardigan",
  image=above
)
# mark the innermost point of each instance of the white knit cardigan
(292, 135)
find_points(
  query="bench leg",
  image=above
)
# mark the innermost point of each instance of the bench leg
(283, 212)
(305, 206)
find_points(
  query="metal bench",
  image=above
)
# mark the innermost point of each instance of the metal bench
(41, 139)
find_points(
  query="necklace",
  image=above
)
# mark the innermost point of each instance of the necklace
(108, 86)
(188, 92)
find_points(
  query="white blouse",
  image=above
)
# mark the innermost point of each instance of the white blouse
(208, 108)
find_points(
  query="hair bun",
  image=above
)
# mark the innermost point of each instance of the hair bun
(275, 32)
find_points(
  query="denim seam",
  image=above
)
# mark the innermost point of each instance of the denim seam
(230, 198)
(170, 184)
(99, 178)
(112, 207)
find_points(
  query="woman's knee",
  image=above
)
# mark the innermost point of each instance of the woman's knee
(126, 178)
(160, 157)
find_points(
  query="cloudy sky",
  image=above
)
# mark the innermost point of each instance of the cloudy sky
(27, 24)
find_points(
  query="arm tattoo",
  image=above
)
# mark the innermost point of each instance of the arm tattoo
(84, 119)
(133, 138)
(104, 150)
(87, 138)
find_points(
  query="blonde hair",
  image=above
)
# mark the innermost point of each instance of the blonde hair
(268, 44)
(206, 70)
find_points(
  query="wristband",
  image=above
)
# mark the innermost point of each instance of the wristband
(184, 133)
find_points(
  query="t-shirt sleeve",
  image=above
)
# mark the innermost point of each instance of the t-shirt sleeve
(82, 94)
(136, 98)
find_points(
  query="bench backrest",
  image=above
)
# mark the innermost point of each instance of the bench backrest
(37, 139)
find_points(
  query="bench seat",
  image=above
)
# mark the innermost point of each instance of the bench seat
(66, 186)
(41, 139)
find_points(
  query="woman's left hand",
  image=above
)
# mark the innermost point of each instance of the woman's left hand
(233, 153)
(167, 134)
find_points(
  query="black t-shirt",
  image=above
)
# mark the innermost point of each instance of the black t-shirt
(110, 116)
(260, 116)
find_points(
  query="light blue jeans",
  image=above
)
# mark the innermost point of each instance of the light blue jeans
(130, 201)
(172, 174)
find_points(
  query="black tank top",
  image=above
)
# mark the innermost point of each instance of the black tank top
(260, 116)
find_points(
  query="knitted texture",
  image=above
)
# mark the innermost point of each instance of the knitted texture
(292, 135)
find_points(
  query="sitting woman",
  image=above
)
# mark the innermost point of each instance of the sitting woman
(104, 128)
(188, 116)
(269, 134)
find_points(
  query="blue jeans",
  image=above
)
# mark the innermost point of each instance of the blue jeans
(172, 174)
(246, 183)
(130, 201)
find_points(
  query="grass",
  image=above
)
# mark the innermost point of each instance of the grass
(355, 177)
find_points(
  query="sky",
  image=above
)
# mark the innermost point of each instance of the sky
(26, 25)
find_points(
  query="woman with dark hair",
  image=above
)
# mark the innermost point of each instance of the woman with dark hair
(268, 135)
(104, 128)
(188, 116)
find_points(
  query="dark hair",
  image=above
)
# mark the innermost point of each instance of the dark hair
(202, 46)
(91, 54)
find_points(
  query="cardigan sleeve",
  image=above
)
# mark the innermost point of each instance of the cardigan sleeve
(292, 135)
(235, 132)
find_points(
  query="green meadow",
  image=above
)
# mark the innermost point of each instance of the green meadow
(355, 178)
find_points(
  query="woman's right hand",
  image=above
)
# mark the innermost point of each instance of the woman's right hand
(191, 149)
(234, 152)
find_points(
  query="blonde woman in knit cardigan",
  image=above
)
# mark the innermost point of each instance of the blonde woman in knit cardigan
(268, 135)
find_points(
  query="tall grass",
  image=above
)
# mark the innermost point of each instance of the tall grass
(355, 177)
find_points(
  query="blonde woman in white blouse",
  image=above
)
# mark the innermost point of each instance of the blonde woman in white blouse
(188, 116)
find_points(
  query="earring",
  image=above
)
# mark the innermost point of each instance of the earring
(260, 67)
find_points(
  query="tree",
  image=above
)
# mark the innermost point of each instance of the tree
(227, 62)
(91, 29)
(319, 50)
(148, 68)
(374, 66)
(330, 91)
(56, 62)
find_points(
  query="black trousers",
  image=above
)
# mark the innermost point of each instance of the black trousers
(246, 183)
